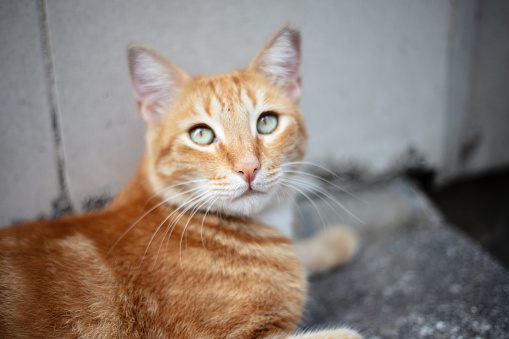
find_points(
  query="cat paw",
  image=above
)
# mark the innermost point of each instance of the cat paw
(329, 248)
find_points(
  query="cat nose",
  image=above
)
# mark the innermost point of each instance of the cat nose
(247, 170)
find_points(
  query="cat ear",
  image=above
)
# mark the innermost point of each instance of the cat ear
(156, 82)
(279, 61)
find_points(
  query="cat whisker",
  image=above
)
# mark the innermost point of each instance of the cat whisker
(290, 185)
(195, 210)
(318, 190)
(191, 202)
(172, 186)
(295, 163)
(187, 201)
(203, 220)
(278, 199)
(157, 231)
(327, 182)
(148, 212)
(315, 190)
(294, 201)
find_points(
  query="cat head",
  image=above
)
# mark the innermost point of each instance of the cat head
(224, 142)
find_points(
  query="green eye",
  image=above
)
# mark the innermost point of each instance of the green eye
(202, 135)
(267, 123)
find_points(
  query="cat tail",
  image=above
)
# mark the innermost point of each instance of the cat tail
(328, 248)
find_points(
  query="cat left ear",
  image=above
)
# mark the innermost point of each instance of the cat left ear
(156, 82)
(279, 61)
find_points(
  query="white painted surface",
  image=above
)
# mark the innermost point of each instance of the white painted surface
(28, 172)
(374, 80)
(478, 118)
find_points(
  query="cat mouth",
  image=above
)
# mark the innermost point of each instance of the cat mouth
(249, 193)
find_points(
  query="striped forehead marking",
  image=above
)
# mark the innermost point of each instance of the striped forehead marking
(207, 118)
(228, 99)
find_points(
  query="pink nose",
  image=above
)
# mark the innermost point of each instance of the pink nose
(247, 170)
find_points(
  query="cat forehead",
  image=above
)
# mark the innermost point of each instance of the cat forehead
(230, 103)
(224, 95)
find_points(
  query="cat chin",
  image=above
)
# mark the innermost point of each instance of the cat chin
(246, 205)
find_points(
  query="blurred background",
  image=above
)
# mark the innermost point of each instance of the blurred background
(391, 87)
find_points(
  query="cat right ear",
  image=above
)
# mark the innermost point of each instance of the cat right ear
(156, 82)
(279, 61)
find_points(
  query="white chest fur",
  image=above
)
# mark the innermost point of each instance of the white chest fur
(279, 216)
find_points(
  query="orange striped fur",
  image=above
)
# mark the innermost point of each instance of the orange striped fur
(180, 252)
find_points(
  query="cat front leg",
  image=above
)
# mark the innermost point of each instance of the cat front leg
(328, 248)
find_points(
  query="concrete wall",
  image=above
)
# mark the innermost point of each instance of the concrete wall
(377, 78)
(28, 157)
(477, 122)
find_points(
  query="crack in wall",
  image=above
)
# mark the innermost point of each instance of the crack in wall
(62, 204)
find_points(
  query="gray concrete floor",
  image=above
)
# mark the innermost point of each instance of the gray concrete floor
(415, 276)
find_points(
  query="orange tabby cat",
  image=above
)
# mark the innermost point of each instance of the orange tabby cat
(182, 252)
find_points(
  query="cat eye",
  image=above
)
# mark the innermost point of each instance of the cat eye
(267, 123)
(202, 135)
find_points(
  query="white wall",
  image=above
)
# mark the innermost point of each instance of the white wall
(376, 83)
(478, 114)
(28, 161)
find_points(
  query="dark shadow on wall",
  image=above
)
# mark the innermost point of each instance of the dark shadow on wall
(479, 206)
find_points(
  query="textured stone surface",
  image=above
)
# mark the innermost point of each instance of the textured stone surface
(415, 283)
(417, 279)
